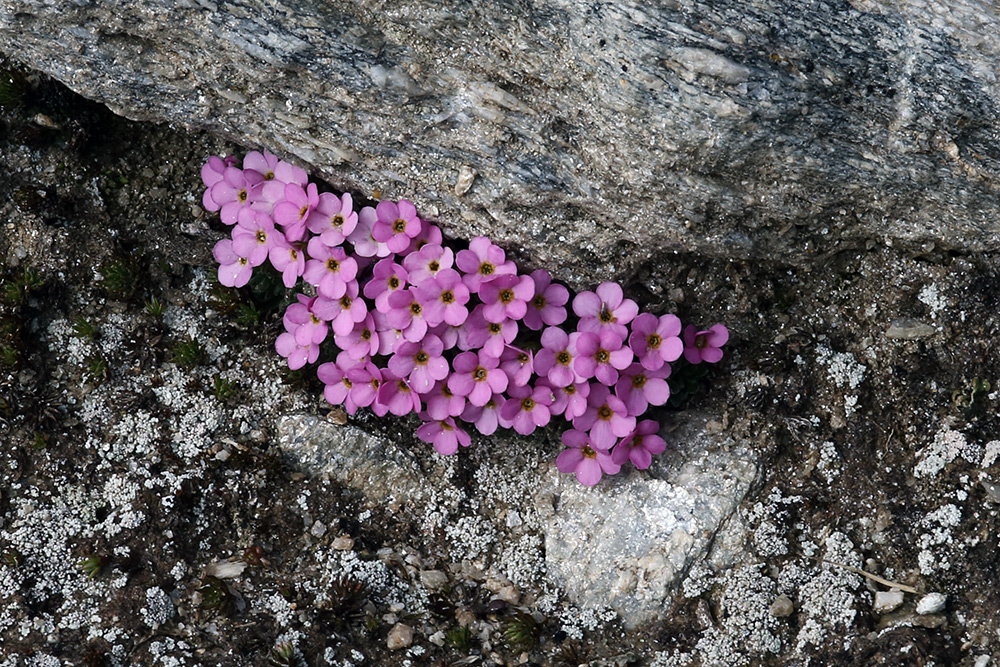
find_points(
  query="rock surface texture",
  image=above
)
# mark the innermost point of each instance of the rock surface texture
(594, 136)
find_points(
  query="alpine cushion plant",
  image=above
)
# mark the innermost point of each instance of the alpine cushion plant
(460, 338)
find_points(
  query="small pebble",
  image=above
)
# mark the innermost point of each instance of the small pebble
(886, 601)
(466, 175)
(931, 603)
(318, 529)
(343, 543)
(782, 607)
(909, 329)
(434, 580)
(399, 637)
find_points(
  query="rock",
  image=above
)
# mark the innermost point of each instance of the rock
(782, 607)
(400, 636)
(652, 525)
(886, 601)
(342, 543)
(434, 580)
(600, 140)
(931, 603)
(906, 328)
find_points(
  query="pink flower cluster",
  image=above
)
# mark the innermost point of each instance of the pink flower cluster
(460, 338)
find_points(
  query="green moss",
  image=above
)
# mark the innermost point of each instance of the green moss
(123, 275)
(188, 353)
(83, 328)
(459, 638)
(223, 388)
(521, 631)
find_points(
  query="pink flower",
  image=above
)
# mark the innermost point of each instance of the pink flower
(339, 387)
(486, 418)
(640, 387)
(704, 345)
(428, 234)
(395, 224)
(420, 363)
(234, 269)
(329, 269)
(362, 341)
(396, 395)
(237, 190)
(444, 298)
(655, 340)
(296, 207)
(606, 418)
(640, 445)
(287, 259)
(555, 359)
(303, 323)
(254, 235)
(343, 313)
(506, 297)
(607, 310)
(365, 380)
(406, 313)
(547, 307)
(518, 365)
(482, 262)
(387, 277)
(570, 401)
(361, 238)
(490, 336)
(445, 435)
(601, 356)
(527, 408)
(213, 172)
(333, 219)
(425, 263)
(477, 377)
(442, 402)
(388, 337)
(275, 173)
(297, 355)
(583, 458)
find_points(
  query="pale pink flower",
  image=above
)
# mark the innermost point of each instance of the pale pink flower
(607, 310)
(482, 262)
(655, 340)
(640, 445)
(588, 461)
(640, 387)
(395, 224)
(477, 377)
(548, 306)
(606, 418)
(329, 269)
(527, 408)
(444, 434)
(333, 219)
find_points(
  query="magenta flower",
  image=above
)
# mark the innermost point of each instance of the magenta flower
(344, 313)
(387, 277)
(302, 322)
(339, 387)
(601, 356)
(477, 377)
(640, 445)
(361, 238)
(275, 173)
(287, 259)
(445, 435)
(655, 339)
(704, 345)
(444, 298)
(506, 297)
(421, 363)
(362, 341)
(234, 269)
(333, 219)
(486, 418)
(482, 262)
(388, 337)
(295, 209)
(443, 403)
(490, 336)
(396, 224)
(365, 380)
(237, 190)
(570, 401)
(329, 269)
(555, 359)
(606, 418)
(425, 263)
(548, 306)
(213, 172)
(395, 394)
(607, 310)
(583, 458)
(448, 334)
(428, 234)
(406, 313)
(640, 387)
(527, 408)
(297, 355)
(517, 364)
(254, 235)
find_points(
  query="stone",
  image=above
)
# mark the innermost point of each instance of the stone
(906, 328)
(931, 603)
(599, 140)
(434, 580)
(400, 636)
(886, 601)
(782, 607)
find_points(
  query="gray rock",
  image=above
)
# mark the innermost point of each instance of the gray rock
(931, 603)
(886, 601)
(906, 328)
(782, 607)
(601, 138)
(627, 542)
(400, 636)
